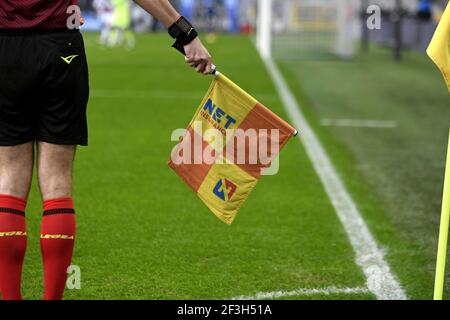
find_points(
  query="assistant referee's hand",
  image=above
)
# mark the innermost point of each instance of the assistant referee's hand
(198, 57)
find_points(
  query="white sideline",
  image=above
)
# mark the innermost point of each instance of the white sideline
(356, 123)
(301, 292)
(380, 281)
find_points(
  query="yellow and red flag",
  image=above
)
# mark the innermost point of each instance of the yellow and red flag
(228, 127)
(439, 49)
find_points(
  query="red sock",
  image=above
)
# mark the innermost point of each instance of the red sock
(57, 242)
(13, 244)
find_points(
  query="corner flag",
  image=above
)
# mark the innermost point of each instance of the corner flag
(439, 49)
(226, 147)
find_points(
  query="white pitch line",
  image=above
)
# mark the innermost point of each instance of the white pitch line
(302, 292)
(369, 256)
(356, 123)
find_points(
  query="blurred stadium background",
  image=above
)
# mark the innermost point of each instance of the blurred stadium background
(313, 23)
(376, 102)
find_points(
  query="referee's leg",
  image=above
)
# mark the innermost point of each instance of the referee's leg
(55, 164)
(16, 171)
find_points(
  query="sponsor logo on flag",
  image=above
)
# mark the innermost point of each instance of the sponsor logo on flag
(225, 189)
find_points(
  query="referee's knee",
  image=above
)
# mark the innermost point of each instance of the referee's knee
(56, 189)
(55, 186)
(14, 182)
(15, 190)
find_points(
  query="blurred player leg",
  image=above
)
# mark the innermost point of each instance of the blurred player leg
(130, 40)
(104, 35)
(16, 170)
(209, 7)
(115, 37)
(106, 19)
(58, 223)
(104, 11)
(121, 33)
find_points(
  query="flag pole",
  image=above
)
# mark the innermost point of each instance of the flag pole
(443, 234)
(214, 71)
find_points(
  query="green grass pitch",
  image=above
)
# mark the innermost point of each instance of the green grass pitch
(142, 234)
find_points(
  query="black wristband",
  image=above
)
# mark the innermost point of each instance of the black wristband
(184, 33)
(180, 27)
(185, 40)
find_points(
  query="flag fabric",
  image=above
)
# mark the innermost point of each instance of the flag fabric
(439, 49)
(224, 130)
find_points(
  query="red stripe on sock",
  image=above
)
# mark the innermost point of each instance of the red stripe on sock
(12, 202)
(63, 203)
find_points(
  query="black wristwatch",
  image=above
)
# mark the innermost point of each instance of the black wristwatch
(184, 33)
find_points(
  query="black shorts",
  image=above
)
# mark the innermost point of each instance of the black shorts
(44, 87)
